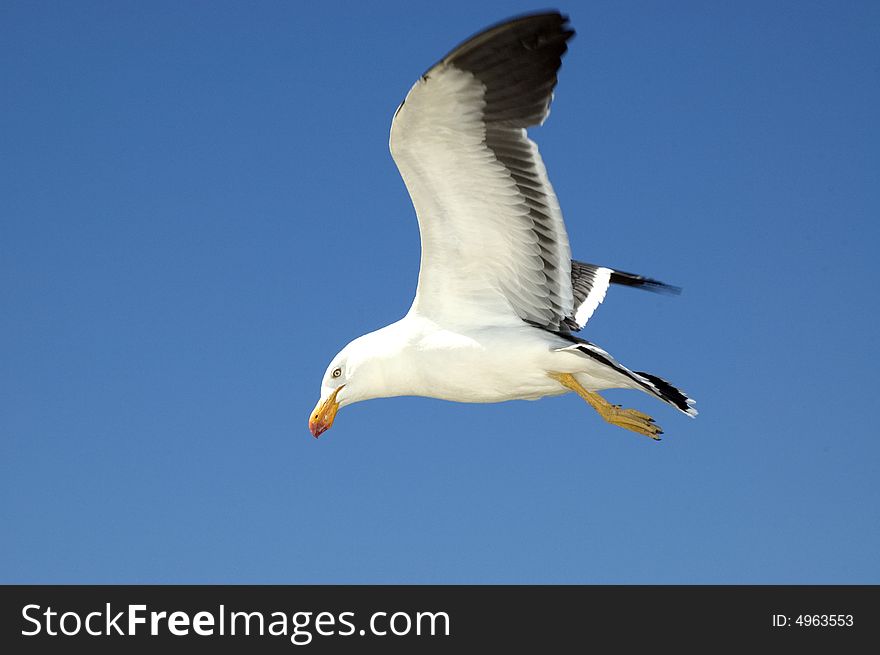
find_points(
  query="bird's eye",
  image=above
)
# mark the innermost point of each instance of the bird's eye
(336, 372)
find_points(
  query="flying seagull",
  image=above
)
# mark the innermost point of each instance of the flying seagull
(498, 295)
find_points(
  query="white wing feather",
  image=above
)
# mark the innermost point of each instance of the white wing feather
(482, 261)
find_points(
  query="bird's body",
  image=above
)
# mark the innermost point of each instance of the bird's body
(476, 364)
(498, 295)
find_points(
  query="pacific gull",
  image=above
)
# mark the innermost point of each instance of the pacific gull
(498, 296)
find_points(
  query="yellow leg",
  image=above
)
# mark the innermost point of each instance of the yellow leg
(629, 419)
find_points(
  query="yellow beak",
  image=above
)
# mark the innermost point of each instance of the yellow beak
(324, 413)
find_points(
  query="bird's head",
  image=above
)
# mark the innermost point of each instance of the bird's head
(355, 374)
(336, 390)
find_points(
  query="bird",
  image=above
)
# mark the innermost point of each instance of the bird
(499, 298)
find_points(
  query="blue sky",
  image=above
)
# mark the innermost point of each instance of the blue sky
(198, 209)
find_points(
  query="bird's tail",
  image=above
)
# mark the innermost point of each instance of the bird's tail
(668, 393)
(656, 386)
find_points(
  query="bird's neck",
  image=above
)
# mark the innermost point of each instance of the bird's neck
(393, 352)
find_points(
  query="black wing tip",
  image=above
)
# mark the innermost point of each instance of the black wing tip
(553, 23)
(641, 282)
(517, 59)
(550, 17)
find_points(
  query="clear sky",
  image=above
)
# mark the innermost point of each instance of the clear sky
(198, 209)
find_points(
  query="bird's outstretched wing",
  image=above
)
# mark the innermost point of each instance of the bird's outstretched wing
(494, 246)
(590, 282)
